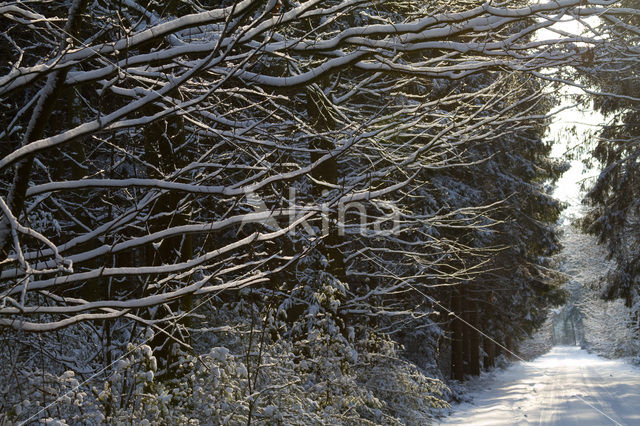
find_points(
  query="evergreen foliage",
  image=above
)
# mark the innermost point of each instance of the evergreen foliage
(269, 211)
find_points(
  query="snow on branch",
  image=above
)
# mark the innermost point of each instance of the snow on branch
(167, 167)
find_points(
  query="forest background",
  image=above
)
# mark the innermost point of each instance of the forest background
(273, 211)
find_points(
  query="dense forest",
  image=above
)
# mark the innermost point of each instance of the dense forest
(271, 211)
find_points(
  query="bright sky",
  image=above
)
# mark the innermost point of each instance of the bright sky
(582, 120)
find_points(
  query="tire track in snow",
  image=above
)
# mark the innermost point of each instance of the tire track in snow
(563, 387)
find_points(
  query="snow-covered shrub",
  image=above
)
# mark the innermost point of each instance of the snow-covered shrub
(409, 396)
(540, 341)
(293, 361)
(322, 377)
(44, 395)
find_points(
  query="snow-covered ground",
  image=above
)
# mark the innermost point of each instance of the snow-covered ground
(567, 385)
(563, 387)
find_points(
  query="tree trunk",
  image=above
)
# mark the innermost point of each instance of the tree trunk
(474, 341)
(47, 99)
(160, 138)
(322, 121)
(457, 342)
(490, 351)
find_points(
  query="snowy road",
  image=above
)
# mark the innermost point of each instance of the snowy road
(566, 386)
